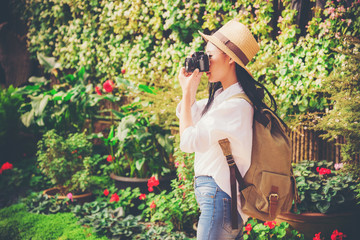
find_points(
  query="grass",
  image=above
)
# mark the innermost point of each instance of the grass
(16, 223)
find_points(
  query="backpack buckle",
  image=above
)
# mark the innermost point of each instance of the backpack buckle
(273, 195)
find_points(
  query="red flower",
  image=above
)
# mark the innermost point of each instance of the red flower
(6, 166)
(73, 152)
(248, 228)
(336, 235)
(106, 192)
(142, 196)
(114, 198)
(98, 90)
(177, 164)
(150, 189)
(123, 71)
(152, 182)
(109, 158)
(181, 186)
(108, 86)
(152, 205)
(323, 171)
(317, 236)
(270, 224)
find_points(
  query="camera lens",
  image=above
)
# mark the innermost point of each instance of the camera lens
(189, 65)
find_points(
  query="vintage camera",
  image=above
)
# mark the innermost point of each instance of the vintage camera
(198, 60)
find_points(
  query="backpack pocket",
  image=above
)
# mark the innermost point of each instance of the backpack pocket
(270, 181)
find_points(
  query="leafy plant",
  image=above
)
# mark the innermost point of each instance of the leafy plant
(62, 104)
(10, 102)
(67, 162)
(155, 231)
(111, 217)
(323, 189)
(137, 147)
(344, 116)
(270, 230)
(177, 208)
(40, 203)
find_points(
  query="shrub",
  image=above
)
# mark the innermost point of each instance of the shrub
(67, 162)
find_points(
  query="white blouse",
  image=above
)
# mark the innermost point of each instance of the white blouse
(226, 118)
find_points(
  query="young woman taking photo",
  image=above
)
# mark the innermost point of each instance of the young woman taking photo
(203, 123)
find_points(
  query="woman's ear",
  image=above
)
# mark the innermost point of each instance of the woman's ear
(231, 61)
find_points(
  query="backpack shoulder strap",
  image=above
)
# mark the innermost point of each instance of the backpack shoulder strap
(258, 116)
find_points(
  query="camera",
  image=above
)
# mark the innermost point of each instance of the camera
(198, 60)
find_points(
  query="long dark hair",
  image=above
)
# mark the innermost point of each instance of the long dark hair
(252, 88)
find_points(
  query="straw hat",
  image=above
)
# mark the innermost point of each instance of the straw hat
(236, 40)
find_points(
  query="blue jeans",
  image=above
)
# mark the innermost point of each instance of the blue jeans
(215, 206)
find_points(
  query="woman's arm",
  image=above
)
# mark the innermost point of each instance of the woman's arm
(189, 84)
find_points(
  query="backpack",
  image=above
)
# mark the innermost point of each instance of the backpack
(268, 187)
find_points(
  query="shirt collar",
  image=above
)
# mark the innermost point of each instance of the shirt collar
(222, 95)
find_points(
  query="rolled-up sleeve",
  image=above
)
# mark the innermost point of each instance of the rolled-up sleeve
(231, 119)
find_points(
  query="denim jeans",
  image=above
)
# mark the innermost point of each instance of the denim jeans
(215, 206)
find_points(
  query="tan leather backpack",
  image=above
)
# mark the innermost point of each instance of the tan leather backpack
(269, 186)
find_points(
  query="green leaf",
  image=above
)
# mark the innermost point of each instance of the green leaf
(48, 63)
(27, 118)
(38, 79)
(339, 198)
(323, 206)
(147, 89)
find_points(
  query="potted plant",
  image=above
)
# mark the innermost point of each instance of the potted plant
(139, 150)
(328, 199)
(68, 162)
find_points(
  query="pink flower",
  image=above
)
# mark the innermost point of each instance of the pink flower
(317, 236)
(256, 6)
(114, 198)
(248, 228)
(349, 21)
(109, 158)
(142, 196)
(70, 196)
(270, 224)
(123, 71)
(338, 166)
(177, 164)
(98, 90)
(106, 192)
(108, 86)
(152, 205)
(280, 19)
(336, 235)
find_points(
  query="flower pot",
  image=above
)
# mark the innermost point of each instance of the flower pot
(80, 199)
(133, 182)
(311, 223)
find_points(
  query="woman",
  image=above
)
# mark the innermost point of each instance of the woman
(204, 122)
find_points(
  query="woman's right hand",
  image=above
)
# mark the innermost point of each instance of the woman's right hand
(189, 82)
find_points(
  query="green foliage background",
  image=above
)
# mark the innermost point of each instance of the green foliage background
(150, 39)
